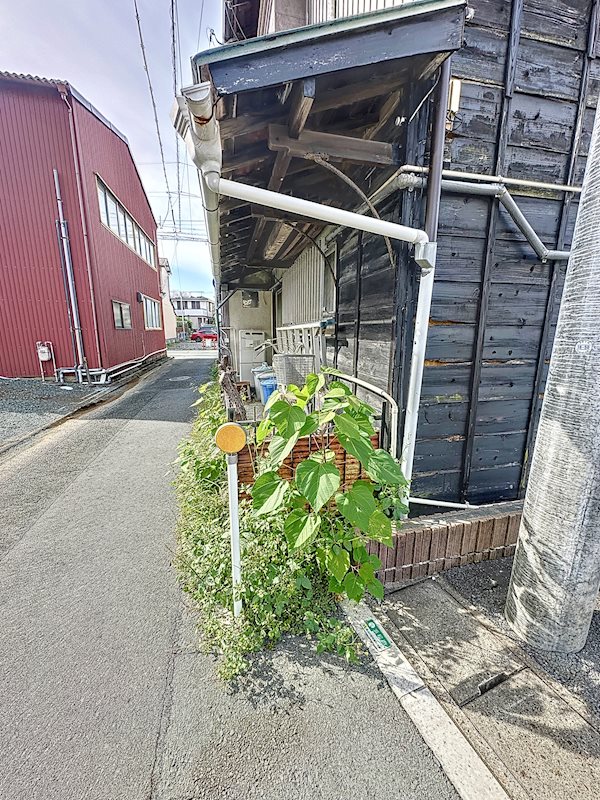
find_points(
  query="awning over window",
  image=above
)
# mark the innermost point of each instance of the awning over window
(339, 92)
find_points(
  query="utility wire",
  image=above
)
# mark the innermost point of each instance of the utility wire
(173, 10)
(200, 26)
(153, 101)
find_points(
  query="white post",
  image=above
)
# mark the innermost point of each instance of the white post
(234, 522)
(417, 365)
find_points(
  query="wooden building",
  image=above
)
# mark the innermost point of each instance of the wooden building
(359, 95)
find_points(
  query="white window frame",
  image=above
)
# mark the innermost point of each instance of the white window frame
(153, 315)
(121, 305)
(123, 224)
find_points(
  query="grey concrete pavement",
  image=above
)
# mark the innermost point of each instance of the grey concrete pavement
(104, 695)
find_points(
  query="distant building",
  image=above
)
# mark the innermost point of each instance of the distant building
(168, 312)
(197, 308)
(90, 286)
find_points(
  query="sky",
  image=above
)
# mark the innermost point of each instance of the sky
(94, 45)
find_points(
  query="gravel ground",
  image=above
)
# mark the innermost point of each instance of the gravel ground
(29, 404)
(485, 586)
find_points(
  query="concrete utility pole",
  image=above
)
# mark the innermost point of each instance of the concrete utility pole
(556, 573)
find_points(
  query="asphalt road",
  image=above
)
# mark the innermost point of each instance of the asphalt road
(103, 693)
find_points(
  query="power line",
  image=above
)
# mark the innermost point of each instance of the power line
(153, 101)
(174, 20)
(200, 26)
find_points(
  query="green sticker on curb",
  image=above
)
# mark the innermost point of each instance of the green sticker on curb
(376, 635)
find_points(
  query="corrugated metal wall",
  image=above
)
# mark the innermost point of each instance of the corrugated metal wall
(118, 272)
(34, 139)
(307, 288)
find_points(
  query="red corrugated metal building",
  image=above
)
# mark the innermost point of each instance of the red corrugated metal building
(46, 126)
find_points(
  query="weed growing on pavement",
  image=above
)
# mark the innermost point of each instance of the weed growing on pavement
(284, 589)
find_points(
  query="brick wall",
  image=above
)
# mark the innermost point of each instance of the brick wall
(431, 544)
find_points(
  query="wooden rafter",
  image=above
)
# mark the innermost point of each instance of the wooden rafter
(333, 146)
(302, 99)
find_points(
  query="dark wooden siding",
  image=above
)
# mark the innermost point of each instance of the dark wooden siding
(530, 83)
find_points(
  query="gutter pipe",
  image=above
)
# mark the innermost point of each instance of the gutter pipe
(306, 208)
(68, 262)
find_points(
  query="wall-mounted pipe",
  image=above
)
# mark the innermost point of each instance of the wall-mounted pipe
(417, 360)
(306, 208)
(408, 181)
(68, 262)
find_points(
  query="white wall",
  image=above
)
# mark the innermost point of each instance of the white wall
(252, 319)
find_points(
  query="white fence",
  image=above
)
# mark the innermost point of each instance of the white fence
(324, 10)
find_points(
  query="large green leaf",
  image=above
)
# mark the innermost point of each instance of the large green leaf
(348, 426)
(337, 562)
(316, 481)
(301, 527)
(354, 587)
(357, 505)
(288, 419)
(375, 587)
(263, 430)
(310, 425)
(314, 383)
(268, 493)
(359, 447)
(280, 448)
(380, 527)
(382, 468)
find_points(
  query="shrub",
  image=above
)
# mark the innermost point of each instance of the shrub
(284, 589)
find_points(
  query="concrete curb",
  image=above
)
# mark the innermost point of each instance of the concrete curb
(463, 766)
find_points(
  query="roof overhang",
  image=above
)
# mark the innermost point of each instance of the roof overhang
(340, 90)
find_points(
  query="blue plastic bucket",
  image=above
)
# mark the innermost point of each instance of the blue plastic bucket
(268, 386)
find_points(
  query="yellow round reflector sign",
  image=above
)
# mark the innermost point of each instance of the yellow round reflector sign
(230, 437)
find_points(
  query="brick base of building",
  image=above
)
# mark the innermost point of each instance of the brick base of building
(426, 545)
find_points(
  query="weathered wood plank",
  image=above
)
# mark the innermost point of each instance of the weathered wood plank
(238, 69)
(547, 70)
(482, 57)
(563, 22)
(542, 122)
(336, 147)
(302, 99)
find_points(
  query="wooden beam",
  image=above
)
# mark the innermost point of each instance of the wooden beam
(246, 158)
(303, 97)
(271, 264)
(336, 147)
(386, 111)
(276, 215)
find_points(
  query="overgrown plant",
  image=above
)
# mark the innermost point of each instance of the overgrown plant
(335, 524)
(283, 591)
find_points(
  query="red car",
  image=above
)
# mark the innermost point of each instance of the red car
(206, 334)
